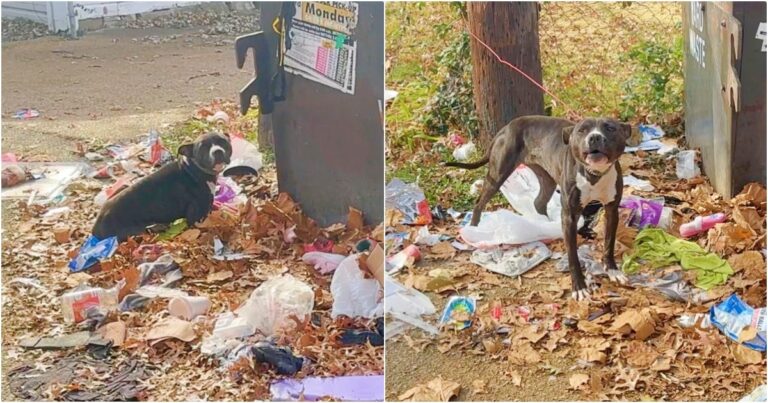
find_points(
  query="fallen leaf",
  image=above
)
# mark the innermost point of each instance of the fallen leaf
(114, 331)
(189, 235)
(639, 321)
(436, 390)
(661, 364)
(218, 276)
(514, 377)
(478, 387)
(576, 380)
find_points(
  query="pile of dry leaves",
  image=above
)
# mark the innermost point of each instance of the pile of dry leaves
(625, 344)
(271, 231)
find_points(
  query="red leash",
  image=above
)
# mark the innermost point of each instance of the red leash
(512, 66)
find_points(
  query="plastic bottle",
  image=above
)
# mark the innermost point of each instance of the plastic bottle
(701, 224)
(75, 304)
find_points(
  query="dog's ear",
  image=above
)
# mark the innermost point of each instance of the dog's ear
(186, 150)
(567, 134)
(626, 130)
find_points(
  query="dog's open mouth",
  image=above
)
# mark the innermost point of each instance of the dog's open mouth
(595, 157)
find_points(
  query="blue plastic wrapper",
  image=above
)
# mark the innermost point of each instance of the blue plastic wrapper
(459, 312)
(92, 251)
(733, 315)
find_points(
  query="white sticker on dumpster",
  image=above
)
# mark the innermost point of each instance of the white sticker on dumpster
(322, 47)
(762, 33)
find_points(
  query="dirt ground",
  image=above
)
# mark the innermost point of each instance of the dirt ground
(107, 86)
(403, 372)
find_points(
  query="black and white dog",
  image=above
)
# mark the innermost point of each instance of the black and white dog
(580, 157)
(182, 189)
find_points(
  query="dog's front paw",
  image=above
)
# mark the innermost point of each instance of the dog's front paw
(581, 295)
(617, 276)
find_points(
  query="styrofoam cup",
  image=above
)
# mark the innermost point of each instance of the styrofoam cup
(188, 307)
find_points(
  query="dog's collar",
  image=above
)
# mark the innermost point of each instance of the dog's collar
(187, 161)
(595, 174)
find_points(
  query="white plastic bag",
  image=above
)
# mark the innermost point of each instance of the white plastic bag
(686, 165)
(504, 227)
(407, 301)
(464, 152)
(521, 189)
(353, 294)
(271, 305)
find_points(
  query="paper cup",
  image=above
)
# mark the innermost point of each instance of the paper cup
(189, 307)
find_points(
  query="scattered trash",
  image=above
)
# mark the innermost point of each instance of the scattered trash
(456, 139)
(13, 175)
(672, 285)
(512, 262)
(647, 212)
(171, 328)
(78, 303)
(701, 224)
(740, 322)
(760, 394)
(49, 180)
(406, 257)
(458, 312)
(78, 339)
(188, 308)
(407, 305)
(493, 230)
(174, 230)
(272, 304)
(649, 139)
(409, 200)
(26, 113)
(639, 184)
(700, 320)
(222, 252)
(522, 188)
(474, 188)
(228, 326)
(464, 152)
(147, 253)
(93, 251)
(588, 263)
(423, 237)
(281, 358)
(354, 294)
(245, 160)
(155, 153)
(319, 245)
(355, 388)
(686, 165)
(657, 249)
(219, 116)
(356, 336)
(109, 192)
(324, 263)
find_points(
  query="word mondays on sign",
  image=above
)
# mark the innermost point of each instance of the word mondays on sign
(337, 15)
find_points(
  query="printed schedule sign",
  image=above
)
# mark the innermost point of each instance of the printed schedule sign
(322, 47)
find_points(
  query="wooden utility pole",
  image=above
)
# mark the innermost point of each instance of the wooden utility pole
(501, 94)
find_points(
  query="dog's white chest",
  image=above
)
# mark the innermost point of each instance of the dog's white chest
(603, 191)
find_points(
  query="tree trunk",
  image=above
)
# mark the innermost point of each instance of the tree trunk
(501, 94)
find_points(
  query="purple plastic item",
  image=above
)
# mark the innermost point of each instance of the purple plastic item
(225, 193)
(645, 212)
(344, 388)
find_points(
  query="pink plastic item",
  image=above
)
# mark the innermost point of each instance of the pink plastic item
(701, 224)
